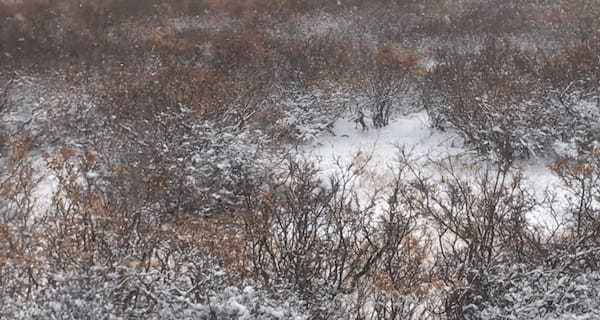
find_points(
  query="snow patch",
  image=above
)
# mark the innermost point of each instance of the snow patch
(412, 131)
(349, 146)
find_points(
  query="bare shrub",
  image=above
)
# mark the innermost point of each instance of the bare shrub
(4, 100)
(20, 248)
(48, 30)
(581, 176)
(107, 250)
(477, 221)
(176, 198)
(234, 51)
(388, 78)
(311, 62)
(498, 101)
(562, 288)
(112, 234)
(318, 240)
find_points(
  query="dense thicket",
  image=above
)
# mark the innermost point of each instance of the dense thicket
(168, 128)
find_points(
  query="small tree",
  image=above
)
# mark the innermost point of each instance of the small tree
(582, 179)
(391, 71)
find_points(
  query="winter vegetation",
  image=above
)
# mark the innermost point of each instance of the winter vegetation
(300, 159)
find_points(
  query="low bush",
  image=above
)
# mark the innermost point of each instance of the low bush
(499, 100)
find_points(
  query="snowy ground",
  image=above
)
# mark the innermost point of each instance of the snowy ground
(412, 131)
(373, 153)
(546, 186)
(348, 145)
